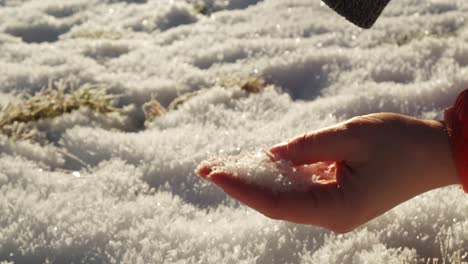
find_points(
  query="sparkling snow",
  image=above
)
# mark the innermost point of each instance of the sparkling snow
(258, 168)
(110, 190)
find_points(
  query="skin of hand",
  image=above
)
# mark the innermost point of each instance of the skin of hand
(382, 160)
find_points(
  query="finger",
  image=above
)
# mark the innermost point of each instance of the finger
(330, 144)
(259, 198)
(320, 205)
(204, 170)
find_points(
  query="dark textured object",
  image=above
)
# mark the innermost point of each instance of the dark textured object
(362, 13)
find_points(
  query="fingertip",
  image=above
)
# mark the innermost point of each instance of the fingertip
(220, 178)
(203, 171)
(228, 183)
(279, 151)
(254, 196)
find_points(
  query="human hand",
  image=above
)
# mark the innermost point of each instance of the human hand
(382, 160)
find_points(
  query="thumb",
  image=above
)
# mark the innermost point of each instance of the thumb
(329, 144)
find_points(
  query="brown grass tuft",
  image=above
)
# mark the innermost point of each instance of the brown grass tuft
(153, 109)
(57, 98)
(253, 85)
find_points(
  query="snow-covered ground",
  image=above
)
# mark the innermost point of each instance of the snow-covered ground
(133, 196)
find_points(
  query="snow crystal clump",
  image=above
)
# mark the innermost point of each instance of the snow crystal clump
(259, 168)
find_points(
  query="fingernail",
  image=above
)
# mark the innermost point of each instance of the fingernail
(279, 151)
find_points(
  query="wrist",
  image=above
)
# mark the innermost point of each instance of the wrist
(456, 122)
(440, 160)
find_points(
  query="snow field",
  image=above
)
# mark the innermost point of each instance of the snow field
(133, 196)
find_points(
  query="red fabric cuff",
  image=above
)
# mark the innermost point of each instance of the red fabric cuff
(456, 122)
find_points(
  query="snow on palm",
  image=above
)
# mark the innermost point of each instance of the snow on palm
(129, 194)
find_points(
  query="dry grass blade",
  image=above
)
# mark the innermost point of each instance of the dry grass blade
(181, 99)
(249, 85)
(154, 109)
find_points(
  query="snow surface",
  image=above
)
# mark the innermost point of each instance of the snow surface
(117, 192)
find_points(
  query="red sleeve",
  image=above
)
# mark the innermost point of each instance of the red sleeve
(456, 122)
